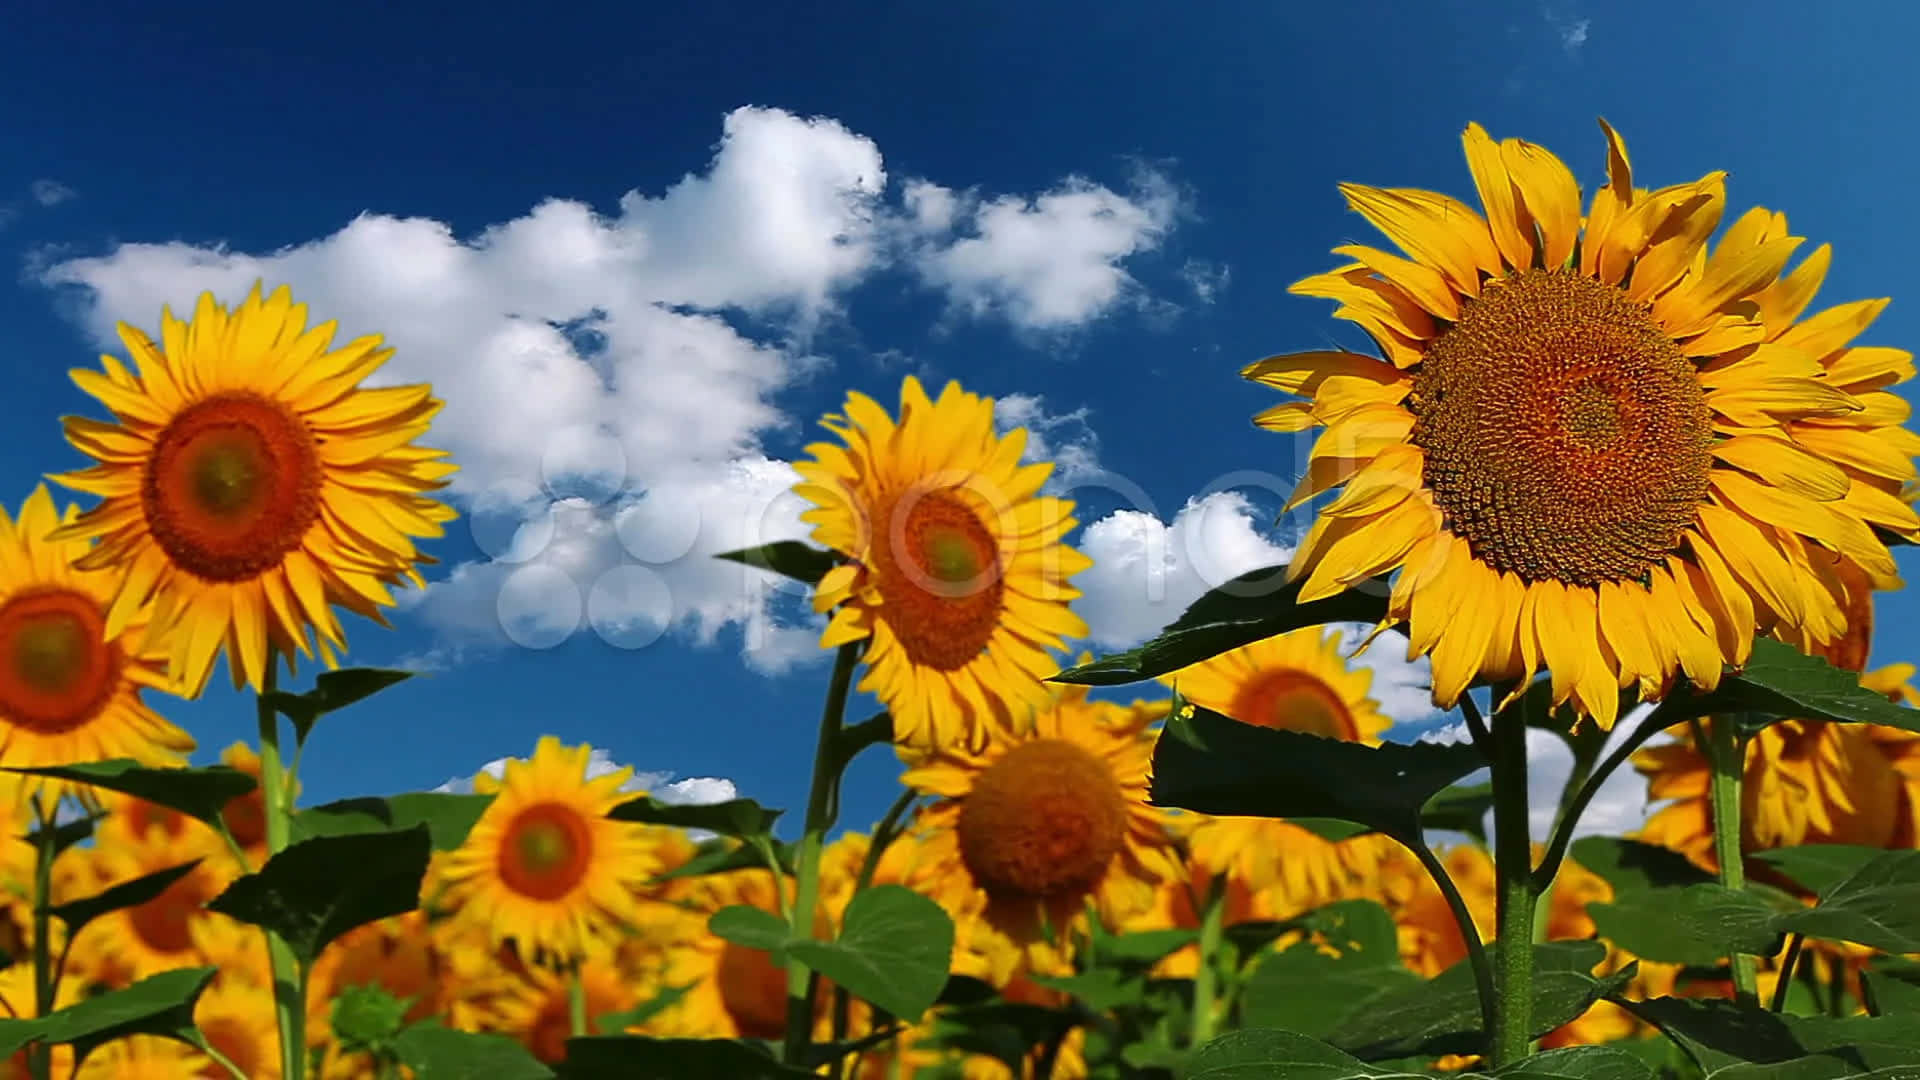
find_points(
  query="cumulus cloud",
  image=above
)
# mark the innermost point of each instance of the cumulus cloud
(50, 192)
(1206, 279)
(1065, 439)
(691, 791)
(606, 409)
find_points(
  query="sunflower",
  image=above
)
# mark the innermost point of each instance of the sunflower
(398, 955)
(130, 820)
(956, 574)
(145, 1057)
(173, 929)
(1046, 818)
(67, 692)
(538, 1011)
(1591, 445)
(238, 1021)
(731, 991)
(17, 1003)
(544, 866)
(1300, 682)
(249, 482)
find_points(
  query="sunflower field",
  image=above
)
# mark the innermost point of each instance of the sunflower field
(1605, 471)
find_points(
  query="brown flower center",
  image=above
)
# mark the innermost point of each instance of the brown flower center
(753, 991)
(57, 671)
(939, 575)
(164, 923)
(545, 851)
(1567, 437)
(232, 486)
(1043, 822)
(1296, 701)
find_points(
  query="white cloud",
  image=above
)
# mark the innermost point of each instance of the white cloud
(51, 192)
(1046, 263)
(1066, 439)
(1568, 26)
(1206, 279)
(694, 790)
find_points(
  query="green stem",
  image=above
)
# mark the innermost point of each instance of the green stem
(1727, 754)
(821, 803)
(289, 984)
(884, 834)
(1570, 813)
(577, 1001)
(222, 1060)
(1212, 922)
(1794, 941)
(45, 980)
(1469, 932)
(1513, 867)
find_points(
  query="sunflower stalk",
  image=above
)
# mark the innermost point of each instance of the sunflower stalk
(577, 999)
(884, 834)
(1512, 1034)
(289, 983)
(822, 805)
(1727, 756)
(1206, 1011)
(45, 977)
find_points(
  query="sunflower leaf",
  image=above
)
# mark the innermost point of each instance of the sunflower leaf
(1722, 1036)
(318, 889)
(366, 1018)
(720, 857)
(1819, 867)
(1263, 1052)
(1579, 1063)
(743, 818)
(749, 926)
(158, 1005)
(1305, 989)
(1212, 764)
(1781, 682)
(667, 998)
(78, 913)
(1894, 985)
(1460, 808)
(893, 951)
(788, 558)
(1252, 607)
(332, 691)
(1006, 1031)
(199, 793)
(67, 834)
(1877, 905)
(640, 1057)
(434, 1052)
(1694, 924)
(448, 816)
(1631, 865)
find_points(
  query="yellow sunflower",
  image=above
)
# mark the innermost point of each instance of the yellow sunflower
(237, 1020)
(544, 866)
(1592, 445)
(145, 1057)
(17, 1002)
(733, 992)
(538, 1010)
(67, 692)
(1300, 682)
(957, 576)
(169, 931)
(1044, 819)
(249, 483)
(398, 955)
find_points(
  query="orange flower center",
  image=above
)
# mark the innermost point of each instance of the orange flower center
(753, 991)
(232, 486)
(944, 598)
(1295, 701)
(239, 1043)
(546, 851)
(143, 815)
(547, 1039)
(1043, 822)
(164, 923)
(57, 670)
(1566, 436)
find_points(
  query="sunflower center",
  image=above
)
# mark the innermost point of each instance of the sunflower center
(165, 923)
(939, 575)
(1295, 701)
(753, 991)
(1043, 822)
(1566, 435)
(232, 486)
(57, 670)
(551, 1030)
(545, 852)
(246, 818)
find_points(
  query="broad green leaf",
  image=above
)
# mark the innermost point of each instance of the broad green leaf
(1579, 1063)
(1877, 905)
(447, 816)
(1779, 682)
(1252, 607)
(332, 691)
(744, 924)
(1818, 867)
(198, 793)
(617, 1022)
(1003, 1030)
(1212, 764)
(158, 1005)
(1141, 948)
(318, 889)
(1311, 992)
(1697, 924)
(367, 1017)
(893, 951)
(788, 558)
(1262, 1054)
(1327, 828)
(722, 856)
(638, 1057)
(1461, 808)
(735, 817)
(434, 1052)
(78, 913)
(1718, 1033)
(1630, 865)
(1101, 989)
(1894, 985)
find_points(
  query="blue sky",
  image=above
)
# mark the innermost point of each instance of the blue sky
(1091, 210)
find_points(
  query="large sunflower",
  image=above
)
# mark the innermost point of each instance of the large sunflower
(1593, 446)
(732, 991)
(957, 575)
(249, 483)
(1300, 682)
(1044, 819)
(67, 692)
(174, 929)
(544, 866)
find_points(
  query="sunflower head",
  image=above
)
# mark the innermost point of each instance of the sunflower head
(248, 484)
(1590, 444)
(955, 573)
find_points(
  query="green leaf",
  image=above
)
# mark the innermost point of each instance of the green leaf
(78, 913)
(1579, 1063)
(66, 834)
(1101, 989)
(615, 1022)
(744, 924)
(198, 793)
(1252, 607)
(1329, 829)
(332, 691)
(447, 816)
(1781, 682)
(366, 1018)
(1209, 763)
(1304, 989)
(1698, 924)
(318, 889)
(1006, 1031)
(743, 818)
(158, 1005)
(1261, 1054)
(1718, 1033)
(720, 857)
(434, 1052)
(873, 731)
(1893, 984)
(1140, 949)
(1819, 867)
(789, 558)
(638, 1057)
(1461, 808)
(893, 951)
(1877, 906)
(1630, 865)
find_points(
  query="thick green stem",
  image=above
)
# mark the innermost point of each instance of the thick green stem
(289, 986)
(1727, 754)
(1513, 868)
(822, 799)
(45, 978)
(1206, 1016)
(577, 1001)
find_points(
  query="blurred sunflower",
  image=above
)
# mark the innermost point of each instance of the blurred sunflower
(17, 1002)
(67, 692)
(544, 866)
(144, 1057)
(238, 1020)
(732, 992)
(957, 576)
(398, 955)
(1298, 681)
(1592, 445)
(248, 483)
(1178, 901)
(537, 1011)
(1430, 940)
(173, 929)
(1042, 820)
